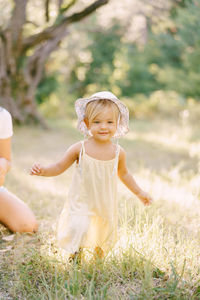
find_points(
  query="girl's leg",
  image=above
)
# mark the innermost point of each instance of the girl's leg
(15, 214)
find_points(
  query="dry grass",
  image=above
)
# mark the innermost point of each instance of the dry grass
(157, 255)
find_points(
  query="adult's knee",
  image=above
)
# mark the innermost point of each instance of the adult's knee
(31, 227)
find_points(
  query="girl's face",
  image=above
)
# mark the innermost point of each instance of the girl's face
(103, 126)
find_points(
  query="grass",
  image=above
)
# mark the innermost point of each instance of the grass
(157, 254)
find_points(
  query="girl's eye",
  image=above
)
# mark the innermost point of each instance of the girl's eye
(110, 122)
(96, 122)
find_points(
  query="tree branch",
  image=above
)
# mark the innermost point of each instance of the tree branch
(18, 19)
(35, 64)
(59, 4)
(64, 9)
(33, 74)
(52, 31)
(47, 10)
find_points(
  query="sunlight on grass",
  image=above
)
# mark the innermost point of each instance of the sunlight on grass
(156, 255)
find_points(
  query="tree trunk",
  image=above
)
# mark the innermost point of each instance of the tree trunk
(20, 72)
(15, 93)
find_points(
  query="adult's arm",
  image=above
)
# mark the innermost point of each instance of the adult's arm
(5, 158)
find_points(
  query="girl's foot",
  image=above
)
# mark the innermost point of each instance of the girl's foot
(98, 253)
(76, 257)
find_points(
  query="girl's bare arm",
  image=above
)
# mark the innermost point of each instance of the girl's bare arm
(70, 156)
(127, 178)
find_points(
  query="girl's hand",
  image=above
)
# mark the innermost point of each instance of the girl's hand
(37, 169)
(145, 198)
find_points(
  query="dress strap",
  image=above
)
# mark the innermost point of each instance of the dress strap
(116, 159)
(82, 151)
(83, 147)
(117, 150)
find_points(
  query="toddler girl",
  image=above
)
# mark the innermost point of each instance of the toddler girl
(89, 217)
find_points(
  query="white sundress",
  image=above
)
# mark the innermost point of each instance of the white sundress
(89, 217)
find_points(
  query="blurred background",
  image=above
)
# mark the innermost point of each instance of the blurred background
(146, 52)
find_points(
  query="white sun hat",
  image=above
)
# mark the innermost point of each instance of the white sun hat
(80, 106)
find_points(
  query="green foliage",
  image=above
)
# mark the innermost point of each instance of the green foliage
(138, 78)
(179, 68)
(97, 72)
(47, 86)
(169, 61)
(103, 48)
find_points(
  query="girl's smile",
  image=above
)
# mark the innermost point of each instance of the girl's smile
(103, 126)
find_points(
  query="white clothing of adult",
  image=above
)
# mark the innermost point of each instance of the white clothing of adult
(6, 128)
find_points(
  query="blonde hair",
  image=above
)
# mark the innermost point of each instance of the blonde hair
(93, 108)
